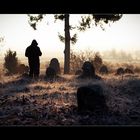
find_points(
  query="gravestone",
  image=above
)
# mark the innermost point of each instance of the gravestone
(120, 71)
(54, 63)
(50, 73)
(103, 70)
(88, 71)
(91, 98)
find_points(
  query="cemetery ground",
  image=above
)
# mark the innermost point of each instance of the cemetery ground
(27, 102)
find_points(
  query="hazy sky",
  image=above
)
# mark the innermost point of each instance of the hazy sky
(121, 35)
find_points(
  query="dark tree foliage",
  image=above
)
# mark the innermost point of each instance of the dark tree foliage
(86, 22)
(97, 19)
(62, 38)
(34, 19)
(61, 17)
(73, 39)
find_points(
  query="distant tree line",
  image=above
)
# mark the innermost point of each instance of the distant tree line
(118, 55)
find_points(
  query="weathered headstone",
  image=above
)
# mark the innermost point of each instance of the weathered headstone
(120, 71)
(54, 63)
(91, 98)
(103, 70)
(50, 73)
(88, 71)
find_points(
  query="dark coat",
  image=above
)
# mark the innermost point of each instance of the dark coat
(33, 53)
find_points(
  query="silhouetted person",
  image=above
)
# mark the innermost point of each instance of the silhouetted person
(33, 52)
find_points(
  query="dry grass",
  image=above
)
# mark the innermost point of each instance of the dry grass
(51, 103)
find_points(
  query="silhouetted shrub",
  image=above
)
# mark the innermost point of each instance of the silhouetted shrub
(137, 69)
(129, 71)
(22, 69)
(97, 61)
(77, 59)
(11, 62)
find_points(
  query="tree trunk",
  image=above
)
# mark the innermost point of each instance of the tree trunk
(67, 46)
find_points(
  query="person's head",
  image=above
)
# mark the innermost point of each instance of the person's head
(34, 43)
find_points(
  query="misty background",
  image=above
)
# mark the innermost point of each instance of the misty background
(119, 42)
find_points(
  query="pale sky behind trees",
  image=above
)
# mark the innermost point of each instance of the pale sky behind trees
(121, 35)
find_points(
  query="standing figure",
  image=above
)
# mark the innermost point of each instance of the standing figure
(33, 52)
